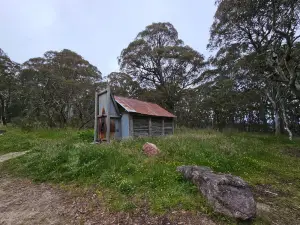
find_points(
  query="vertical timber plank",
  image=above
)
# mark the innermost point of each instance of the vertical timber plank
(173, 126)
(96, 117)
(108, 115)
(150, 127)
(131, 125)
(163, 127)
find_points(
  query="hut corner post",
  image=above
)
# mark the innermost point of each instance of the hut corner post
(163, 126)
(108, 115)
(150, 126)
(96, 117)
(173, 126)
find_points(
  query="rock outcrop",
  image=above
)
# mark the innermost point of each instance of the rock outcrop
(228, 194)
(150, 149)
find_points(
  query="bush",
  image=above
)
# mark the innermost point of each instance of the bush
(126, 187)
(86, 135)
(27, 124)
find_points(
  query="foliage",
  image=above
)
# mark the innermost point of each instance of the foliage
(125, 178)
(251, 83)
(160, 60)
(59, 89)
(8, 86)
(257, 44)
(86, 135)
(122, 84)
(55, 90)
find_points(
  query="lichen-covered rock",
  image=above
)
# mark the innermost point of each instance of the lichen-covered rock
(150, 149)
(229, 195)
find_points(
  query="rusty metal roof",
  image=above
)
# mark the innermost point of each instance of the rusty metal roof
(145, 108)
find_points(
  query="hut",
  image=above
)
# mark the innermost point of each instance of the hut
(120, 118)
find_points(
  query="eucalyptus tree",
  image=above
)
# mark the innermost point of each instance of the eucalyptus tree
(122, 84)
(268, 30)
(159, 60)
(262, 38)
(8, 86)
(59, 89)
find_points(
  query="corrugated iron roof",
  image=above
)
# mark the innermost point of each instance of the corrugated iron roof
(145, 108)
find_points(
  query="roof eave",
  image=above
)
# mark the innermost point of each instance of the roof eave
(124, 107)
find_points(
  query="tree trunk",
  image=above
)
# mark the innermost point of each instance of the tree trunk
(63, 119)
(285, 120)
(262, 115)
(295, 91)
(277, 121)
(276, 112)
(3, 114)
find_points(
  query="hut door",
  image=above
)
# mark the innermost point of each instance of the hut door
(115, 128)
(112, 129)
(102, 128)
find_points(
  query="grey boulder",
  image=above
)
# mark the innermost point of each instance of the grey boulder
(229, 195)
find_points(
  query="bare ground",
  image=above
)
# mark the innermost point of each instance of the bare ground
(24, 202)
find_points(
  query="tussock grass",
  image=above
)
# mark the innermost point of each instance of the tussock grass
(126, 179)
(16, 140)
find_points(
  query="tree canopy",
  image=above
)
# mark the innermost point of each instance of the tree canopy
(159, 60)
(55, 90)
(251, 82)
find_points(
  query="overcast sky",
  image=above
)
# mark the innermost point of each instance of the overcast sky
(96, 29)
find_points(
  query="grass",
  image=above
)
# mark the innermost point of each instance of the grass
(126, 179)
(16, 140)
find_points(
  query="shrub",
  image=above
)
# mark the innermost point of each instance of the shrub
(86, 135)
(126, 186)
(27, 124)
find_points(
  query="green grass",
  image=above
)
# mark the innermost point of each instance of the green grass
(16, 140)
(126, 179)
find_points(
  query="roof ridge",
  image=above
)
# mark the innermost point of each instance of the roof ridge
(142, 107)
(137, 100)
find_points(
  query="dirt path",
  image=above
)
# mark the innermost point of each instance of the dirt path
(23, 202)
(11, 156)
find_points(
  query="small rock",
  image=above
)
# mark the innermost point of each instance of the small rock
(263, 207)
(229, 195)
(150, 149)
(271, 193)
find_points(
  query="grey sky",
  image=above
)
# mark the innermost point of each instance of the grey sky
(96, 29)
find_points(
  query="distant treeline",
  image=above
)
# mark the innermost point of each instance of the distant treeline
(252, 83)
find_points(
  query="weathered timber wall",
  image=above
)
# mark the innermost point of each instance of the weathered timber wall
(157, 127)
(152, 126)
(168, 126)
(140, 126)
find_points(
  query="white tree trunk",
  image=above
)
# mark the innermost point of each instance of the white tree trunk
(285, 120)
(276, 112)
(277, 121)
